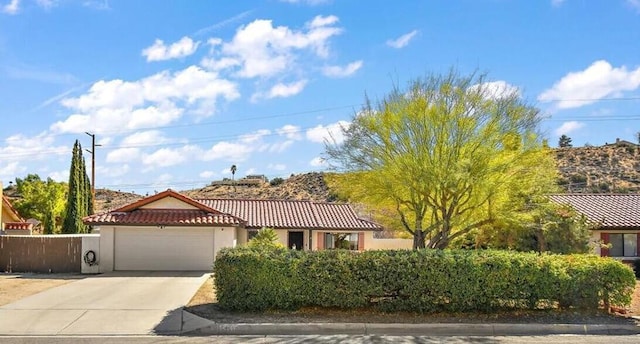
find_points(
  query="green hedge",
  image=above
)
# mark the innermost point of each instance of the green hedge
(418, 281)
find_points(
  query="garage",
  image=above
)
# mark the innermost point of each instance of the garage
(163, 248)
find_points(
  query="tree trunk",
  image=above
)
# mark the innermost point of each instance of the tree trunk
(418, 239)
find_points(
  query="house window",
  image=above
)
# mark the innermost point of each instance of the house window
(344, 241)
(623, 245)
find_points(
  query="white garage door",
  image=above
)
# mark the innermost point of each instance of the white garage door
(167, 249)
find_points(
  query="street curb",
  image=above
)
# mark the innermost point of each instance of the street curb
(444, 329)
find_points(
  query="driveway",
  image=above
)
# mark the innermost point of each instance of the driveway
(109, 304)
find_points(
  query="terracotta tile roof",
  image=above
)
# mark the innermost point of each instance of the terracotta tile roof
(15, 226)
(280, 214)
(606, 210)
(285, 214)
(167, 217)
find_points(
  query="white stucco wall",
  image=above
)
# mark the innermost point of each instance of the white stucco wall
(106, 248)
(223, 237)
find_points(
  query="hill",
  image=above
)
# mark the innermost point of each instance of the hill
(604, 169)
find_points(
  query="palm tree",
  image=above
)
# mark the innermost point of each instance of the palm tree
(233, 175)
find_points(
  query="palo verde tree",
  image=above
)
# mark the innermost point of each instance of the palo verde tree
(79, 202)
(42, 200)
(444, 154)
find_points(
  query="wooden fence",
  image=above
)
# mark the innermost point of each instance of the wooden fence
(41, 253)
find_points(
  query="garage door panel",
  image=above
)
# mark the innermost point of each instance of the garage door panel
(166, 249)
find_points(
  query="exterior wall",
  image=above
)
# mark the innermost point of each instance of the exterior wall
(168, 203)
(43, 253)
(106, 249)
(241, 236)
(596, 240)
(283, 236)
(90, 243)
(223, 237)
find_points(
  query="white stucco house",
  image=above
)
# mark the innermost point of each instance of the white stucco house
(170, 231)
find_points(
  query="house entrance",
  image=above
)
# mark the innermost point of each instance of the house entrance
(296, 240)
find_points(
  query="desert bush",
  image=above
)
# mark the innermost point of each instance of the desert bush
(418, 281)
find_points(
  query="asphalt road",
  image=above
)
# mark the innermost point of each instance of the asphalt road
(337, 339)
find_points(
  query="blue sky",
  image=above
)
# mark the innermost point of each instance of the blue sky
(178, 91)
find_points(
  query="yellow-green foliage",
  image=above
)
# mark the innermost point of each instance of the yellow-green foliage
(418, 281)
(265, 238)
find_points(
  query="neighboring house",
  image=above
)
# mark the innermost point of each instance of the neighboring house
(11, 223)
(170, 231)
(622, 143)
(616, 218)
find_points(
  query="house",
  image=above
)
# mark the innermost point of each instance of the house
(616, 218)
(11, 223)
(170, 231)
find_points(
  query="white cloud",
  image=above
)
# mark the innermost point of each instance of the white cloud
(157, 100)
(60, 176)
(497, 89)
(277, 167)
(280, 147)
(47, 4)
(290, 131)
(557, 3)
(598, 81)
(40, 147)
(111, 171)
(12, 8)
(11, 170)
(123, 155)
(318, 162)
(229, 151)
(321, 133)
(281, 90)
(207, 174)
(144, 138)
(403, 40)
(634, 4)
(165, 157)
(568, 127)
(252, 170)
(161, 52)
(342, 72)
(261, 50)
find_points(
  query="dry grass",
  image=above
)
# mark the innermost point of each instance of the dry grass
(14, 287)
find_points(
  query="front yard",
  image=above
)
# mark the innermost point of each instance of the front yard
(204, 304)
(14, 287)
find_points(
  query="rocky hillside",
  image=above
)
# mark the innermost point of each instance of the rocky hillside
(604, 169)
(308, 186)
(609, 168)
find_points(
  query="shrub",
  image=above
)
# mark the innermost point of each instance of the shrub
(265, 238)
(276, 181)
(418, 281)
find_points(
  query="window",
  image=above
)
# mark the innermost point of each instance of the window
(344, 241)
(623, 245)
(251, 234)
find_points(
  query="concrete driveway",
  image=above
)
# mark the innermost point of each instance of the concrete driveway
(109, 304)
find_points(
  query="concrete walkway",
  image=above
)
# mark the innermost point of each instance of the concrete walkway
(122, 303)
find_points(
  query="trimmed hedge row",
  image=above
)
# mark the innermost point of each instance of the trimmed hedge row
(418, 281)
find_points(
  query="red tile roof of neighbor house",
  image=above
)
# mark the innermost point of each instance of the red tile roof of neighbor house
(279, 214)
(7, 203)
(18, 226)
(608, 211)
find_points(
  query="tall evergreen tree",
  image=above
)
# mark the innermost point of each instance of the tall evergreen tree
(79, 197)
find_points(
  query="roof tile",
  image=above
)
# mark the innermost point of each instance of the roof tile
(605, 210)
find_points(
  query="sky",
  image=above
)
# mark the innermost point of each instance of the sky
(176, 92)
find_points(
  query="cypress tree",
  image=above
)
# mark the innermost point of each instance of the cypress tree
(79, 197)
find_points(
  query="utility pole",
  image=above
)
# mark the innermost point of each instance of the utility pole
(93, 169)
